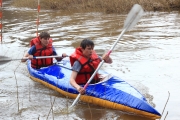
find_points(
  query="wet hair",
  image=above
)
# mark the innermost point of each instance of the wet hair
(44, 35)
(86, 42)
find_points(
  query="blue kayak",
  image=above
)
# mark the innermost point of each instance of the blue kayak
(112, 92)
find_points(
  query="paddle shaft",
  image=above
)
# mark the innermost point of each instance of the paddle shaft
(26, 58)
(131, 20)
(42, 57)
(99, 66)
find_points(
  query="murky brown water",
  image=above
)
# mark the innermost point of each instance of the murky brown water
(147, 57)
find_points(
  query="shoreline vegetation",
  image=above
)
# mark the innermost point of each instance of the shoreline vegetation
(106, 6)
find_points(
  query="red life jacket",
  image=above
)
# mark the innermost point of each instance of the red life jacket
(41, 51)
(87, 66)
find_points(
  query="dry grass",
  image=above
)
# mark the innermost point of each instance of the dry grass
(107, 6)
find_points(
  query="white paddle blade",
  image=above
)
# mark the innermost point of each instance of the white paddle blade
(133, 16)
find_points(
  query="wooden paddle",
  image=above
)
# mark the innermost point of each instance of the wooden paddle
(132, 18)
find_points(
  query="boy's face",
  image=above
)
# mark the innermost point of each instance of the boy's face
(44, 41)
(87, 52)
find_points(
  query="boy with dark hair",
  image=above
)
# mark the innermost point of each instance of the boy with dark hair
(42, 46)
(84, 62)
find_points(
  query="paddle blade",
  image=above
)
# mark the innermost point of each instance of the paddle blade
(133, 17)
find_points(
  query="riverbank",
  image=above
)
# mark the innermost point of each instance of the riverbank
(106, 6)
